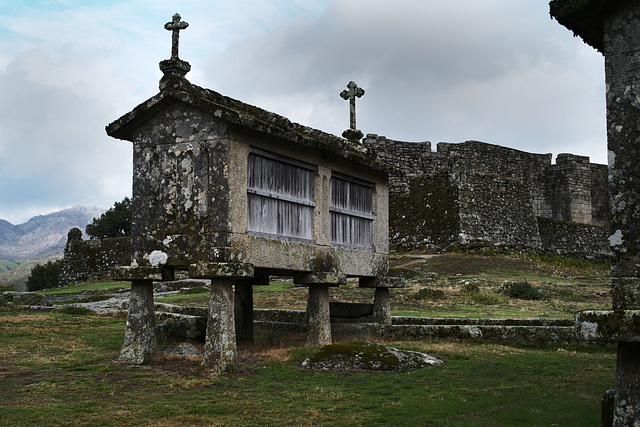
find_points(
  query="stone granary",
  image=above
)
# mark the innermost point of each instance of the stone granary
(613, 28)
(233, 193)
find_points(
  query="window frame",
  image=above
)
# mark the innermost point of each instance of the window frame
(282, 200)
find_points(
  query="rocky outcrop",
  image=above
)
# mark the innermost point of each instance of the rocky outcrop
(368, 356)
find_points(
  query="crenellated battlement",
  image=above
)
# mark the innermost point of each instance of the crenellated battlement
(479, 194)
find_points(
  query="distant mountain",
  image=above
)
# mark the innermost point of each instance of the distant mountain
(43, 235)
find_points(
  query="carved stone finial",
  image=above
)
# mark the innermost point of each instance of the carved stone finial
(351, 94)
(174, 69)
(175, 26)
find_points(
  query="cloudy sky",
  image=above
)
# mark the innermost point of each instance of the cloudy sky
(498, 71)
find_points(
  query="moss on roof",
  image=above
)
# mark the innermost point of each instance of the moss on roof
(245, 115)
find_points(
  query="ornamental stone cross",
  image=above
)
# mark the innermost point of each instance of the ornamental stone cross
(351, 94)
(175, 25)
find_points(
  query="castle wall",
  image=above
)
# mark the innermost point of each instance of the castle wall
(473, 193)
(93, 259)
(574, 239)
(496, 211)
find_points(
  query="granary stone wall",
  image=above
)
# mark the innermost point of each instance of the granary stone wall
(477, 194)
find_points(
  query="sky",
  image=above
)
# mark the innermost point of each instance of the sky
(497, 71)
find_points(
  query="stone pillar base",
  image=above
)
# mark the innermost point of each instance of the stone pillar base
(606, 408)
(627, 397)
(318, 316)
(139, 338)
(220, 353)
(382, 306)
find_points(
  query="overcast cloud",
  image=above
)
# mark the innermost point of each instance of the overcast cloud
(499, 71)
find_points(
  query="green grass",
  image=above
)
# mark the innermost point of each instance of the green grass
(279, 294)
(87, 287)
(59, 369)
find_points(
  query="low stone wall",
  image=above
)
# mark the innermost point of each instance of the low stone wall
(529, 332)
(176, 322)
(93, 259)
(573, 239)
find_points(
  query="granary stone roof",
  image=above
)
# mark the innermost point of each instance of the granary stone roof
(179, 89)
(584, 17)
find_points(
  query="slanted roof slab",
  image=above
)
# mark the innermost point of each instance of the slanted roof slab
(244, 115)
(584, 17)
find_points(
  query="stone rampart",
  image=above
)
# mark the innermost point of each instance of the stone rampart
(574, 239)
(478, 194)
(93, 259)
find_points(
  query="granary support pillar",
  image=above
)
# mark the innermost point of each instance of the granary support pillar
(382, 298)
(622, 73)
(614, 28)
(243, 307)
(382, 306)
(318, 315)
(243, 312)
(220, 350)
(139, 337)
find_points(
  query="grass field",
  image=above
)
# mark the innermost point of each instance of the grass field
(566, 285)
(61, 369)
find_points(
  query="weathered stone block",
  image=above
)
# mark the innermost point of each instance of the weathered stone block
(179, 327)
(609, 325)
(382, 282)
(136, 273)
(330, 279)
(13, 298)
(213, 270)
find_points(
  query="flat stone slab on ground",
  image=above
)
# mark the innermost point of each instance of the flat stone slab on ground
(368, 356)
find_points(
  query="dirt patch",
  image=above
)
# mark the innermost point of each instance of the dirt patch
(20, 318)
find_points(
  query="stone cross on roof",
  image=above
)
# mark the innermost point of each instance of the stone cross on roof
(175, 25)
(354, 92)
(351, 94)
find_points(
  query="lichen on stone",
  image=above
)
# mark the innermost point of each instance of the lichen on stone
(368, 356)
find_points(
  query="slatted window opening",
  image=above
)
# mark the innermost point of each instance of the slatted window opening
(351, 212)
(279, 197)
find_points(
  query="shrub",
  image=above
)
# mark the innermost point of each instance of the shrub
(44, 276)
(470, 288)
(487, 298)
(521, 290)
(429, 294)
